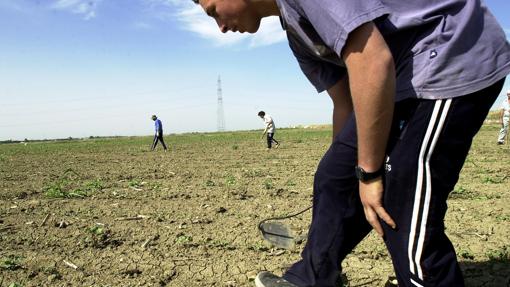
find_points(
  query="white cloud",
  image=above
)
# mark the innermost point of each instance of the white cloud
(193, 19)
(84, 8)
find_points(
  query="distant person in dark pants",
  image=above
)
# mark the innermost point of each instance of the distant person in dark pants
(269, 129)
(159, 133)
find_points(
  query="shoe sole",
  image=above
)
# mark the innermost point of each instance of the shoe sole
(258, 283)
(279, 282)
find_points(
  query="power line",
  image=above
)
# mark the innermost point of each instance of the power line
(96, 117)
(94, 106)
(107, 96)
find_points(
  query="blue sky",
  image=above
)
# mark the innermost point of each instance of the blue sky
(84, 68)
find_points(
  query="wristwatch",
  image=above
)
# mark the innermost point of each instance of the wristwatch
(364, 176)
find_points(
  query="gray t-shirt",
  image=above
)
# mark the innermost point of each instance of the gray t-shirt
(441, 48)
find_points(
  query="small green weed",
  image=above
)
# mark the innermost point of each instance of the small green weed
(259, 246)
(56, 189)
(15, 284)
(77, 193)
(466, 254)
(503, 217)
(63, 188)
(290, 182)
(209, 183)
(98, 236)
(182, 238)
(502, 255)
(461, 193)
(481, 198)
(11, 262)
(96, 230)
(235, 147)
(230, 180)
(67, 186)
(94, 185)
(135, 183)
(489, 179)
(268, 184)
(460, 190)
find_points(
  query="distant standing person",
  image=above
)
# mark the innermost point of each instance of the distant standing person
(505, 118)
(269, 129)
(159, 133)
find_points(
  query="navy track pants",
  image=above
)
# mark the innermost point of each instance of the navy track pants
(428, 145)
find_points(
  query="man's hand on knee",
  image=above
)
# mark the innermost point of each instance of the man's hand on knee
(371, 194)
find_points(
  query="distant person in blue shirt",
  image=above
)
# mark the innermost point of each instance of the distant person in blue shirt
(159, 133)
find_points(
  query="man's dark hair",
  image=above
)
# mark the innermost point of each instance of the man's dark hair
(261, 113)
(196, 1)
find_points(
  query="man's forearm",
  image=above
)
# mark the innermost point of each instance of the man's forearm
(374, 113)
(372, 85)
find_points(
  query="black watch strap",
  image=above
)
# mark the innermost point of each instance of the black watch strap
(364, 176)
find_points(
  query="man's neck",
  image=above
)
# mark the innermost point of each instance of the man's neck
(267, 8)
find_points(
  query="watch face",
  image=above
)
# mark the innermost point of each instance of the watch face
(360, 173)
